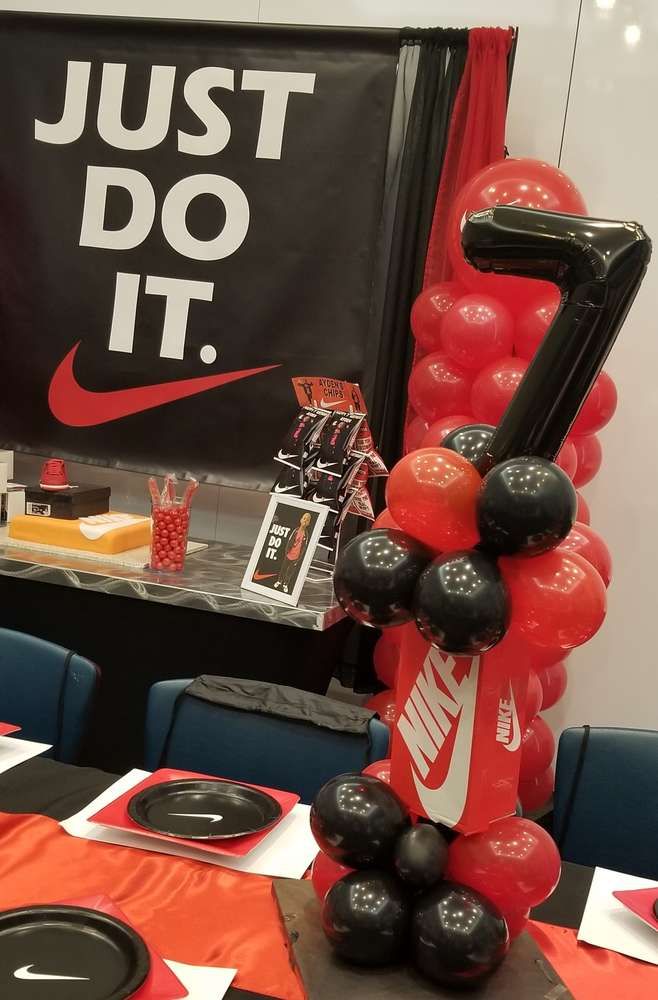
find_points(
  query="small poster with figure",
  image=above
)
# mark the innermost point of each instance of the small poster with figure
(284, 548)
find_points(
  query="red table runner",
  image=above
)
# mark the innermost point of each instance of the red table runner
(592, 972)
(204, 915)
(189, 911)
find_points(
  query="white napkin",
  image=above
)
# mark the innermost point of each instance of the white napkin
(203, 982)
(607, 923)
(13, 752)
(286, 852)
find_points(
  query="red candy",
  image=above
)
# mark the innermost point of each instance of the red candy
(169, 540)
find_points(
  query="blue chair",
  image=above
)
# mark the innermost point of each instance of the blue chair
(606, 799)
(250, 746)
(47, 690)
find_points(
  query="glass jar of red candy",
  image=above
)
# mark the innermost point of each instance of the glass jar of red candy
(169, 537)
(171, 523)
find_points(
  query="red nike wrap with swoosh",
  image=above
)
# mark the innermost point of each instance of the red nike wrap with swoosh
(75, 406)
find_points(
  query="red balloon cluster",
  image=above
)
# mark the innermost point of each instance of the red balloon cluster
(482, 331)
(478, 333)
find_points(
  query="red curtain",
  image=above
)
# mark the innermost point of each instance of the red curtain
(477, 133)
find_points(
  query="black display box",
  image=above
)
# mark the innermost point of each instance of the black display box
(69, 504)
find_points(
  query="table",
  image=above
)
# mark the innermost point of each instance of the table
(57, 791)
(140, 629)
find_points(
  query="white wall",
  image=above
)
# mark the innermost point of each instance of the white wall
(611, 151)
(596, 121)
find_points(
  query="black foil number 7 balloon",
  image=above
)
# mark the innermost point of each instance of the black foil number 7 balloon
(598, 265)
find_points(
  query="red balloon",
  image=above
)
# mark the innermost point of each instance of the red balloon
(537, 749)
(588, 458)
(429, 311)
(553, 682)
(516, 921)
(325, 872)
(384, 704)
(557, 598)
(386, 659)
(477, 331)
(395, 634)
(588, 543)
(567, 459)
(514, 863)
(494, 387)
(431, 494)
(536, 792)
(379, 769)
(414, 433)
(525, 182)
(519, 652)
(533, 699)
(598, 408)
(384, 520)
(533, 323)
(439, 387)
(582, 511)
(440, 429)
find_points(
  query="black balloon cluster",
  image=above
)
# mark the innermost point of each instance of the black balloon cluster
(459, 600)
(397, 905)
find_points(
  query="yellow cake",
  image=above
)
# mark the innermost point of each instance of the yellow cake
(105, 533)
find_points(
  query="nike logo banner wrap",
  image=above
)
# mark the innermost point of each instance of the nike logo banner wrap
(456, 743)
(189, 216)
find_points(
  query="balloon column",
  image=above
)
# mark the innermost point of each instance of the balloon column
(499, 498)
(480, 545)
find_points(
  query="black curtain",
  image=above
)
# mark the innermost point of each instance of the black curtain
(440, 68)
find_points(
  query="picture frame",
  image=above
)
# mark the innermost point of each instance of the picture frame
(284, 549)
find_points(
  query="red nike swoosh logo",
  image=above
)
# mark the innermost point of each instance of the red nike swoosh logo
(77, 407)
(262, 576)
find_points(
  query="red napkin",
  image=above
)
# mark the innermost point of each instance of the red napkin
(161, 983)
(116, 815)
(6, 728)
(640, 902)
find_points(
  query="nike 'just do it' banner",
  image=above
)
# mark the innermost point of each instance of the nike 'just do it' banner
(457, 740)
(188, 217)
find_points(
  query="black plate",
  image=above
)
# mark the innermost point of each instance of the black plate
(69, 952)
(189, 807)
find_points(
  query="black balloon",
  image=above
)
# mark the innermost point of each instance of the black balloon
(365, 916)
(598, 265)
(376, 574)
(471, 441)
(421, 855)
(461, 603)
(458, 937)
(356, 819)
(525, 505)
(446, 832)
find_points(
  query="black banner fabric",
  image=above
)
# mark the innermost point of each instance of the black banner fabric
(188, 218)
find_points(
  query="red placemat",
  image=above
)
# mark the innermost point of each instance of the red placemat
(161, 983)
(6, 728)
(116, 815)
(641, 903)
